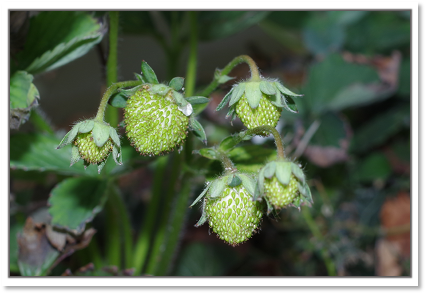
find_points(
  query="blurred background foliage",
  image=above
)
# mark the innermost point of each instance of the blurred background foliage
(352, 134)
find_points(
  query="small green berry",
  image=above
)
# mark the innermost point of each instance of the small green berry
(89, 151)
(280, 195)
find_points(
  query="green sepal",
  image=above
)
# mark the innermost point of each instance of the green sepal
(234, 181)
(286, 91)
(86, 126)
(306, 191)
(270, 208)
(244, 136)
(278, 100)
(267, 88)
(257, 196)
(197, 100)
(297, 171)
(114, 136)
(223, 79)
(179, 99)
(69, 137)
(228, 143)
(203, 217)
(217, 187)
(148, 73)
(253, 94)
(176, 83)
(225, 100)
(101, 165)
(118, 100)
(116, 154)
(283, 172)
(140, 77)
(230, 113)
(75, 155)
(160, 89)
(198, 129)
(296, 202)
(201, 195)
(290, 106)
(237, 92)
(248, 183)
(130, 92)
(269, 169)
(100, 134)
(209, 153)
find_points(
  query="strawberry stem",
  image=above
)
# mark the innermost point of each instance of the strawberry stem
(227, 164)
(274, 132)
(108, 93)
(255, 76)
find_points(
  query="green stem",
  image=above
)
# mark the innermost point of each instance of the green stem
(331, 269)
(227, 164)
(94, 252)
(255, 76)
(113, 233)
(159, 245)
(125, 226)
(147, 230)
(275, 133)
(177, 217)
(108, 93)
(193, 49)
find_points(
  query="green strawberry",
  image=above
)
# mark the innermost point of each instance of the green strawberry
(283, 183)
(258, 102)
(154, 123)
(229, 207)
(265, 114)
(93, 141)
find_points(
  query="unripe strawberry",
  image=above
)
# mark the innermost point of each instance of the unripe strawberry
(233, 216)
(229, 208)
(154, 123)
(93, 141)
(259, 102)
(283, 183)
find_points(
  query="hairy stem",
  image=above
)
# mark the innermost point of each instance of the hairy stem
(108, 93)
(275, 133)
(255, 76)
(192, 61)
(111, 77)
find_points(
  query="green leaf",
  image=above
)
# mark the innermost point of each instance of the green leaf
(197, 100)
(148, 73)
(380, 128)
(15, 228)
(220, 24)
(224, 101)
(375, 166)
(251, 158)
(331, 131)
(354, 95)
(75, 202)
(328, 78)
(253, 94)
(176, 83)
(37, 152)
(23, 96)
(58, 37)
(228, 143)
(198, 130)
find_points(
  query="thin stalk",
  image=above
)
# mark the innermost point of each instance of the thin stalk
(113, 233)
(227, 164)
(255, 76)
(147, 230)
(111, 77)
(275, 133)
(108, 93)
(163, 216)
(125, 226)
(331, 268)
(177, 217)
(193, 49)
